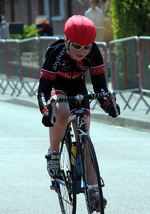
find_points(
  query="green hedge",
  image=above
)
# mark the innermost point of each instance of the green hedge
(29, 31)
(130, 18)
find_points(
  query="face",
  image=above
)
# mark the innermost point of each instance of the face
(79, 52)
(93, 4)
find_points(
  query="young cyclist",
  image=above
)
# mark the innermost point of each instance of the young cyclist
(64, 70)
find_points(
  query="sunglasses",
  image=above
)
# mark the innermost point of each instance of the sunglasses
(78, 47)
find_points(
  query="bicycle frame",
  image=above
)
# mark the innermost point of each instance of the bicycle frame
(81, 131)
(78, 186)
(76, 177)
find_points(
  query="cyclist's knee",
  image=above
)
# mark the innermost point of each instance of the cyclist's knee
(63, 117)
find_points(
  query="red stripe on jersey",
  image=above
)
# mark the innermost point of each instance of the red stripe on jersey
(48, 74)
(70, 75)
(97, 70)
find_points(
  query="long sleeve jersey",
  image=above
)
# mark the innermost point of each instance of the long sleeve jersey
(60, 67)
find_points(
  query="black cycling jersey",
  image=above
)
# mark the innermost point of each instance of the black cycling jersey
(62, 72)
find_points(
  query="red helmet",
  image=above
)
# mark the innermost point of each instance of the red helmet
(81, 30)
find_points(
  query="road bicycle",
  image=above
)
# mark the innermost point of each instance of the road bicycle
(75, 157)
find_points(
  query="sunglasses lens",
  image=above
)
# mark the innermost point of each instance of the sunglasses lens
(88, 47)
(78, 47)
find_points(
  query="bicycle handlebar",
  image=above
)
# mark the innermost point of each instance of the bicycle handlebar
(52, 102)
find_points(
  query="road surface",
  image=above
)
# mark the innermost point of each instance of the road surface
(123, 155)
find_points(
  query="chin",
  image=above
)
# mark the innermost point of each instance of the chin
(79, 58)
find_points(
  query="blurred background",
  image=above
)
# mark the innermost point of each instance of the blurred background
(123, 37)
(56, 12)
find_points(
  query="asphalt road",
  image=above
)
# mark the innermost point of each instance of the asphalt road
(123, 155)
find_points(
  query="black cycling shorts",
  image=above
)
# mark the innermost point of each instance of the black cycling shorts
(72, 88)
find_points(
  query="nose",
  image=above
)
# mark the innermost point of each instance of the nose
(82, 49)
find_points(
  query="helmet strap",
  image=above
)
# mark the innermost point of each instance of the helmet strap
(67, 43)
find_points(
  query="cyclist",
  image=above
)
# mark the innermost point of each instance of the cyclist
(64, 70)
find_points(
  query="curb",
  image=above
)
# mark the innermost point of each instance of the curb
(100, 117)
(120, 121)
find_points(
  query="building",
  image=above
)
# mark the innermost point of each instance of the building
(57, 11)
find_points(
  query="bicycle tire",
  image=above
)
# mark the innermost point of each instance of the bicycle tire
(87, 145)
(67, 199)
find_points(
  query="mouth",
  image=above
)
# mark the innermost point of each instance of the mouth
(80, 56)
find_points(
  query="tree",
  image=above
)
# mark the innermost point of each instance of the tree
(130, 18)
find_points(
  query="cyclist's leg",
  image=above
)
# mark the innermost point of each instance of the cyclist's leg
(56, 134)
(62, 112)
(67, 199)
(91, 173)
(93, 183)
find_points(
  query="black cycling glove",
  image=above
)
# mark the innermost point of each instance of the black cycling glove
(46, 119)
(109, 108)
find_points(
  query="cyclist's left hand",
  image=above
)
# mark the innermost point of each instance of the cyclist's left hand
(46, 119)
(109, 108)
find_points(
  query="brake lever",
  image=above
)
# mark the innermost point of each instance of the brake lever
(51, 107)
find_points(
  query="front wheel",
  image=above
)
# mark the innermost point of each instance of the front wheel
(92, 181)
(67, 199)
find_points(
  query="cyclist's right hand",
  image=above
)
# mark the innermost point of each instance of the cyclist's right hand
(109, 108)
(46, 119)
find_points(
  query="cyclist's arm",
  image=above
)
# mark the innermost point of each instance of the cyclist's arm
(97, 73)
(47, 78)
(44, 91)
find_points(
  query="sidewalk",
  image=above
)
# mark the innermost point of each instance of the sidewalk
(137, 119)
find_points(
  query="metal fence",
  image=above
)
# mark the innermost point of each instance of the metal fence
(20, 62)
(128, 68)
(144, 53)
(124, 60)
(2, 64)
(9, 64)
(103, 48)
(127, 59)
(144, 48)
